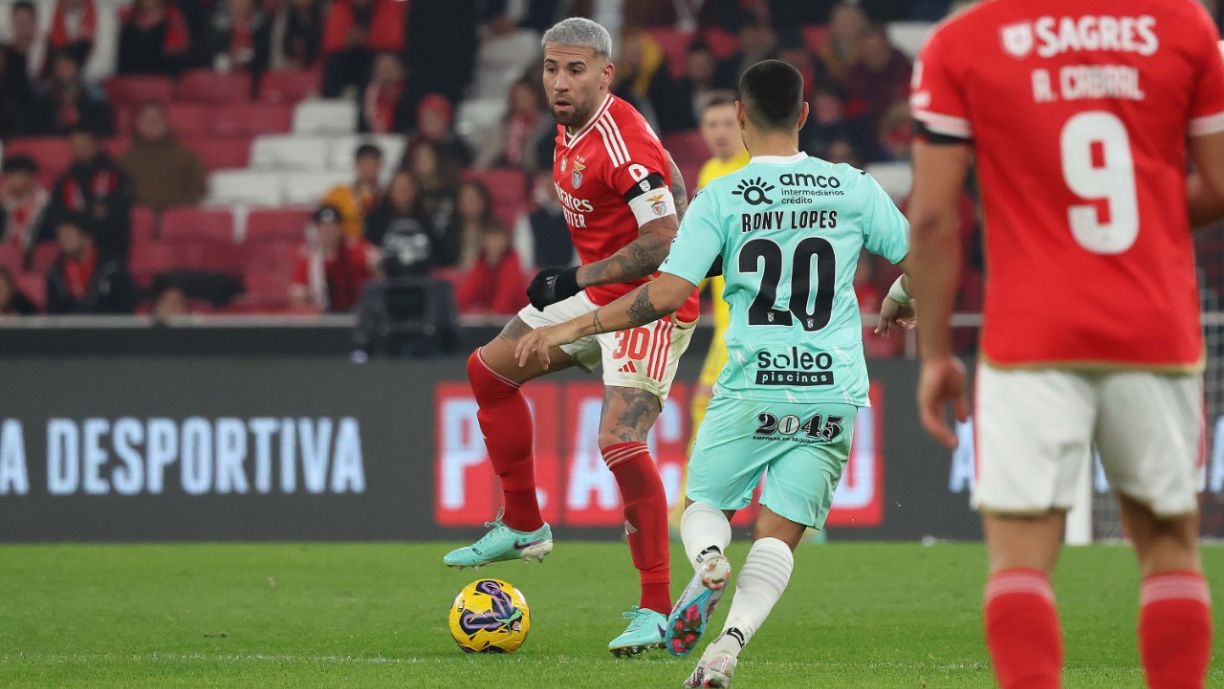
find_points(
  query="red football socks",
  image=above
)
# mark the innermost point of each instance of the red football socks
(645, 520)
(1175, 630)
(1022, 629)
(505, 421)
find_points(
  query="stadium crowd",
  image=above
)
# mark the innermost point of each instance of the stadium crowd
(138, 136)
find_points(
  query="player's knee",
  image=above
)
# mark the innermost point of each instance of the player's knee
(486, 383)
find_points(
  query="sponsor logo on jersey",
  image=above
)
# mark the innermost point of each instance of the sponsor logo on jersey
(754, 191)
(802, 187)
(1052, 36)
(795, 368)
(790, 428)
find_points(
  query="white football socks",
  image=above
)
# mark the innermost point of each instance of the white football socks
(703, 526)
(759, 586)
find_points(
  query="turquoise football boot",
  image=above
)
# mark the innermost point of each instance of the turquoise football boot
(502, 543)
(695, 607)
(645, 631)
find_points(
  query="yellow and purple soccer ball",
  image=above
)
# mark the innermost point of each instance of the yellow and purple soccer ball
(490, 616)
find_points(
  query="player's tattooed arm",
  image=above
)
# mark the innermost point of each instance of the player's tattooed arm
(679, 192)
(635, 260)
(660, 297)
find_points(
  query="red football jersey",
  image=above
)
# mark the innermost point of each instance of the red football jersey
(595, 169)
(1078, 114)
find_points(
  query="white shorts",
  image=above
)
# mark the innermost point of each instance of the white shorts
(1036, 427)
(644, 358)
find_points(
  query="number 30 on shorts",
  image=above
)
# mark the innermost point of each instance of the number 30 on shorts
(632, 343)
(770, 424)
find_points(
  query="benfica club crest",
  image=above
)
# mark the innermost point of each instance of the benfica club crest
(1017, 39)
(657, 205)
(576, 175)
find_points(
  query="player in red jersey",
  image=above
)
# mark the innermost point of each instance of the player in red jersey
(622, 196)
(1078, 117)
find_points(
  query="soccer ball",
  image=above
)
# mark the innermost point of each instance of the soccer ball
(490, 616)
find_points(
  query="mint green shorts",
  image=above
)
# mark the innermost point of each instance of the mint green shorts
(803, 447)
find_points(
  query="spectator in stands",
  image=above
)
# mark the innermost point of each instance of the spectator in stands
(332, 268)
(438, 186)
(434, 118)
(297, 34)
(541, 236)
(473, 215)
(679, 112)
(85, 277)
(756, 41)
(409, 244)
(22, 202)
(13, 302)
(442, 45)
(495, 283)
(793, 50)
(22, 59)
(721, 132)
(880, 78)
(97, 192)
(641, 76)
(896, 132)
(354, 200)
(74, 28)
(514, 143)
(165, 172)
(66, 101)
(169, 302)
(155, 38)
(355, 31)
(239, 37)
(842, 151)
(384, 107)
(840, 52)
(11, 101)
(827, 122)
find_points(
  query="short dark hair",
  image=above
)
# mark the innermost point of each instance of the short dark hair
(26, 5)
(77, 220)
(772, 93)
(84, 127)
(20, 163)
(713, 99)
(367, 150)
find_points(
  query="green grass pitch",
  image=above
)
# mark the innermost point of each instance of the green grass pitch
(374, 615)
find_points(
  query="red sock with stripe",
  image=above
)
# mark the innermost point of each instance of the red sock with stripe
(1175, 630)
(505, 421)
(645, 520)
(1022, 629)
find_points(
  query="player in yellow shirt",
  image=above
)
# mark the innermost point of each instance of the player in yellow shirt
(722, 136)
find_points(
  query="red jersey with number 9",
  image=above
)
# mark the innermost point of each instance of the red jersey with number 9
(596, 170)
(1078, 114)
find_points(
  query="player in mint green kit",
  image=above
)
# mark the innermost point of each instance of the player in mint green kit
(788, 230)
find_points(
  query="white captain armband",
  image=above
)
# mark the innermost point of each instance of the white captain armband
(650, 199)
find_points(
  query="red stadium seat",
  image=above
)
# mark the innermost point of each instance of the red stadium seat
(690, 153)
(45, 255)
(252, 119)
(144, 224)
(508, 187)
(188, 223)
(221, 153)
(207, 86)
(133, 91)
(210, 255)
(288, 86)
(52, 153)
(675, 45)
(276, 225)
(723, 44)
(814, 36)
(151, 258)
(190, 119)
(268, 271)
(35, 287)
